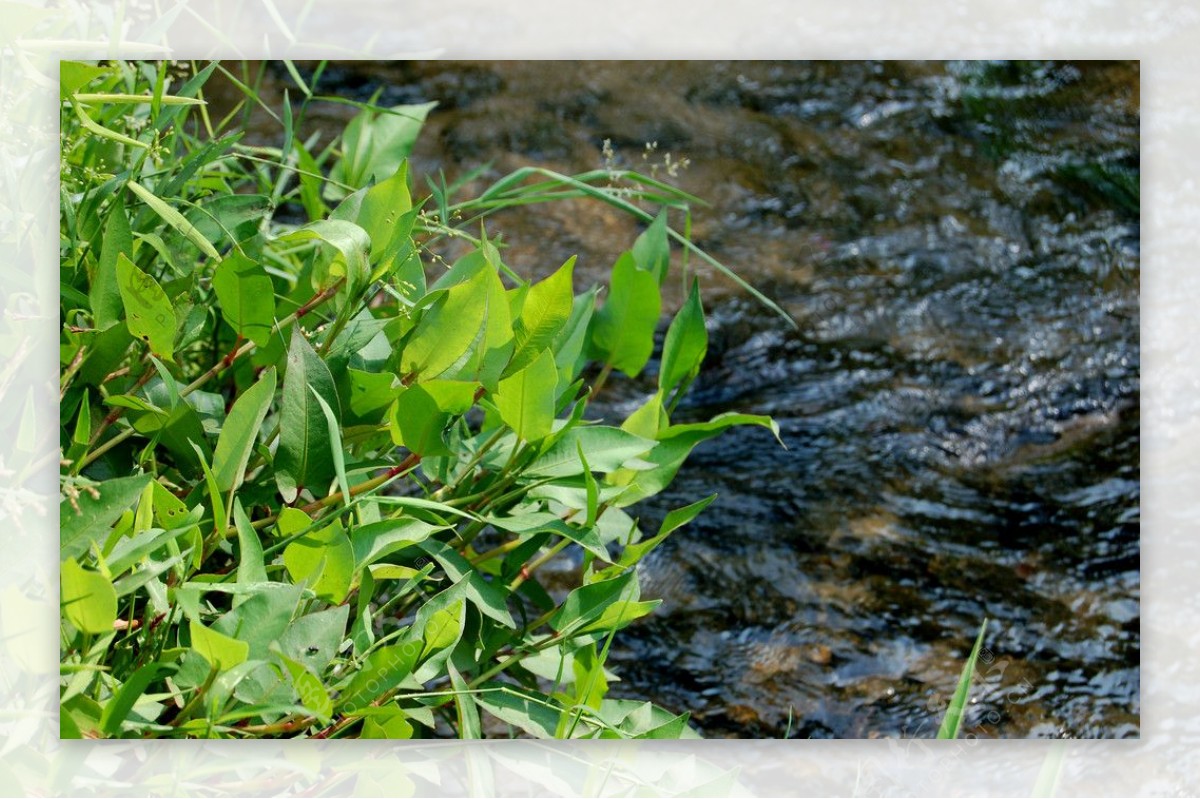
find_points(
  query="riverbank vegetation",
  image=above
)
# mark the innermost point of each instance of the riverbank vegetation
(311, 468)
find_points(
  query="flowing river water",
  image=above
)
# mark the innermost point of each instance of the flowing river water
(958, 244)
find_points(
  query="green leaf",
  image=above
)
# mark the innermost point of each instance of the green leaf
(546, 308)
(686, 344)
(175, 219)
(529, 710)
(305, 454)
(443, 628)
(383, 206)
(422, 412)
(308, 688)
(104, 291)
(375, 143)
(572, 338)
(250, 568)
(117, 709)
(384, 669)
(526, 400)
(324, 560)
(449, 329)
(587, 604)
(370, 391)
(388, 722)
(622, 332)
(74, 75)
(88, 599)
(675, 444)
(534, 522)
(952, 722)
(247, 298)
(652, 250)
(221, 651)
(240, 431)
(79, 530)
(469, 727)
(379, 539)
(649, 419)
(314, 639)
(350, 244)
(148, 312)
(262, 618)
(335, 445)
(606, 449)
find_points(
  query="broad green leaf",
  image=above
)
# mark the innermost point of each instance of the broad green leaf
(526, 399)
(388, 722)
(545, 310)
(88, 599)
(384, 669)
(324, 560)
(247, 298)
(586, 604)
(375, 143)
(652, 250)
(484, 362)
(532, 712)
(370, 391)
(104, 291)
(675, 444)
(379, 539)
(443, 628)
(250, 568)
(422, 412)
(606, 449)
(240, 431)
(952, 723)
(262, 618)
(314, 639)
(469, 584)
(448, 329)
(622, 332)
(383, 206)
(175, 219)
(649, 419)
(221, 651)
(349, 259)
(305, 454)
(148, 312)
(309, 690)
(169, 511)
(96, 515)
(74, 75)
(686, 344)
(617, 615)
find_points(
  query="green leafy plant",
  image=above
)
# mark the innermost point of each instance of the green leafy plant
(307, 490)
(952, 721)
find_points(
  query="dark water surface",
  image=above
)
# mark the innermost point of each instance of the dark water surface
(959, 245)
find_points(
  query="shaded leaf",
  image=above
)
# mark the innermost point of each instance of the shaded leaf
(305, 454)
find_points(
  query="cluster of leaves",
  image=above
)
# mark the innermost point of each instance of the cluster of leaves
(306, 492)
